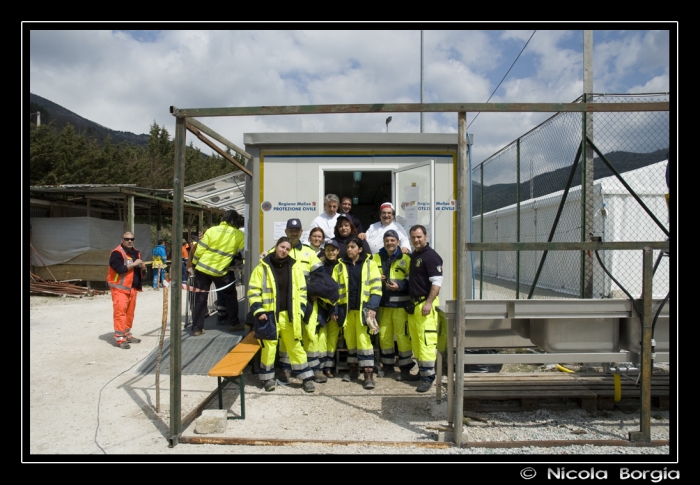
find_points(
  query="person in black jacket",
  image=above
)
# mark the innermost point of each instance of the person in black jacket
(330, 331)
(346, 208)
(344, 230)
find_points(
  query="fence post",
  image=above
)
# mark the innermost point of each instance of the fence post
(587, 181)
(463, 191)
(517, 219)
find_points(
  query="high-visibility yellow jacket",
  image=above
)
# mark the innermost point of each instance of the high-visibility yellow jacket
(217, 248)
(370, 286)
(305, 256)
(398, 272)
(262, 293)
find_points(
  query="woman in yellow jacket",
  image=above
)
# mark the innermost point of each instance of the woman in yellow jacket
(277, 296)
(358, 307)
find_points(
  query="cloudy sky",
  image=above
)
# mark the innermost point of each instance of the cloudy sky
(126, 80)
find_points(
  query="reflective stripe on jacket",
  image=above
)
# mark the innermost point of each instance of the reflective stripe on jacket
(262, 293)
(305, 257)
(370, 285)
(123, 281)
(217, 248)
(398, 271)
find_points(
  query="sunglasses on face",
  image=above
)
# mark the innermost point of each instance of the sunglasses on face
(128, 238)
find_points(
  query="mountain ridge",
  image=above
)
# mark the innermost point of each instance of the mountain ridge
(53, 112)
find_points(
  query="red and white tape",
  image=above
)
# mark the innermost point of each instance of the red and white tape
(187, 287)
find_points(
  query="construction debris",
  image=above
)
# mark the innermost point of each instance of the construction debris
(39, 286)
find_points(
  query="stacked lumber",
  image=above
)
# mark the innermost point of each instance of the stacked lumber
(39, 286)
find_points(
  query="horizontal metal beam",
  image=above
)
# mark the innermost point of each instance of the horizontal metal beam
(168, 202)
(422, 108)
(559, 357)
(230, 440)
(568, 246)
(42, 202)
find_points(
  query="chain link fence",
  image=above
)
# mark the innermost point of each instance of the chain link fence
(531, 191)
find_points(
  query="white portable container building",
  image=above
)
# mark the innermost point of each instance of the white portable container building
(617, 217)
(293, 172)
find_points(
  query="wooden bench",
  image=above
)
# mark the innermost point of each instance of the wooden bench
(230, 368)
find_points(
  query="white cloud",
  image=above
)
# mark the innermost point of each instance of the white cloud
(124, 84)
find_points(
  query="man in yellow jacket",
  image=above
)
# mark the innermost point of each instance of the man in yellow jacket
(213, 261)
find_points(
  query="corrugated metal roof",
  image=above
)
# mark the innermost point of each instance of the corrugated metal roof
(224, 192)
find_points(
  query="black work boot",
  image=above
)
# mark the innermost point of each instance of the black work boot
(369, 380)
(352, 374)
(407, 376)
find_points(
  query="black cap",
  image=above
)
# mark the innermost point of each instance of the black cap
(331, 243)
(391, 233)
(293, 224)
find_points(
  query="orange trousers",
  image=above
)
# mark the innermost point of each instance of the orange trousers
(123, 304)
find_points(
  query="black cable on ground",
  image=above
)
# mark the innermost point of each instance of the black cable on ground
(99, 398)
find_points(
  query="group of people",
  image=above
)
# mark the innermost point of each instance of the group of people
(160, 262)
(304, 296)
(212, 261)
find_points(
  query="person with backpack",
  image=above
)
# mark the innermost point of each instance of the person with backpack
(159, 264)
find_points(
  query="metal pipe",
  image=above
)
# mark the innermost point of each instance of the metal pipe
(644, 433)
(176, 280)
(517, 217)
(421, 79)
(422, 108)
(462, 270)
(481, 238)
(555, 223)
(450, 373)
(219, 138)
(631, 191)
(569, 246)
(204, 440)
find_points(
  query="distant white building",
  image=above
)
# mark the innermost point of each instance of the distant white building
(618, 217)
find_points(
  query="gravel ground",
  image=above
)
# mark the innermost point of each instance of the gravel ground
(85, 402)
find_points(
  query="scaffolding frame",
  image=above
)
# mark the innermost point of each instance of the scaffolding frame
(184, 121)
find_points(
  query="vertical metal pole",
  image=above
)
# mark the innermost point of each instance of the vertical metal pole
(462, 271)
(644, 433)
(176, 281)
(588, 175)
(159, 222)
(421, 79)
(517, 219)
(450, 372)
(130, 213)
(481, 238)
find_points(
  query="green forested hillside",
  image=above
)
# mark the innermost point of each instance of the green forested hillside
(59, 157)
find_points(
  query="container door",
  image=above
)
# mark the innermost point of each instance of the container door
(413, 193)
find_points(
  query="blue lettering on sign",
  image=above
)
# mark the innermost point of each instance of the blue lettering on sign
(294, 206)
